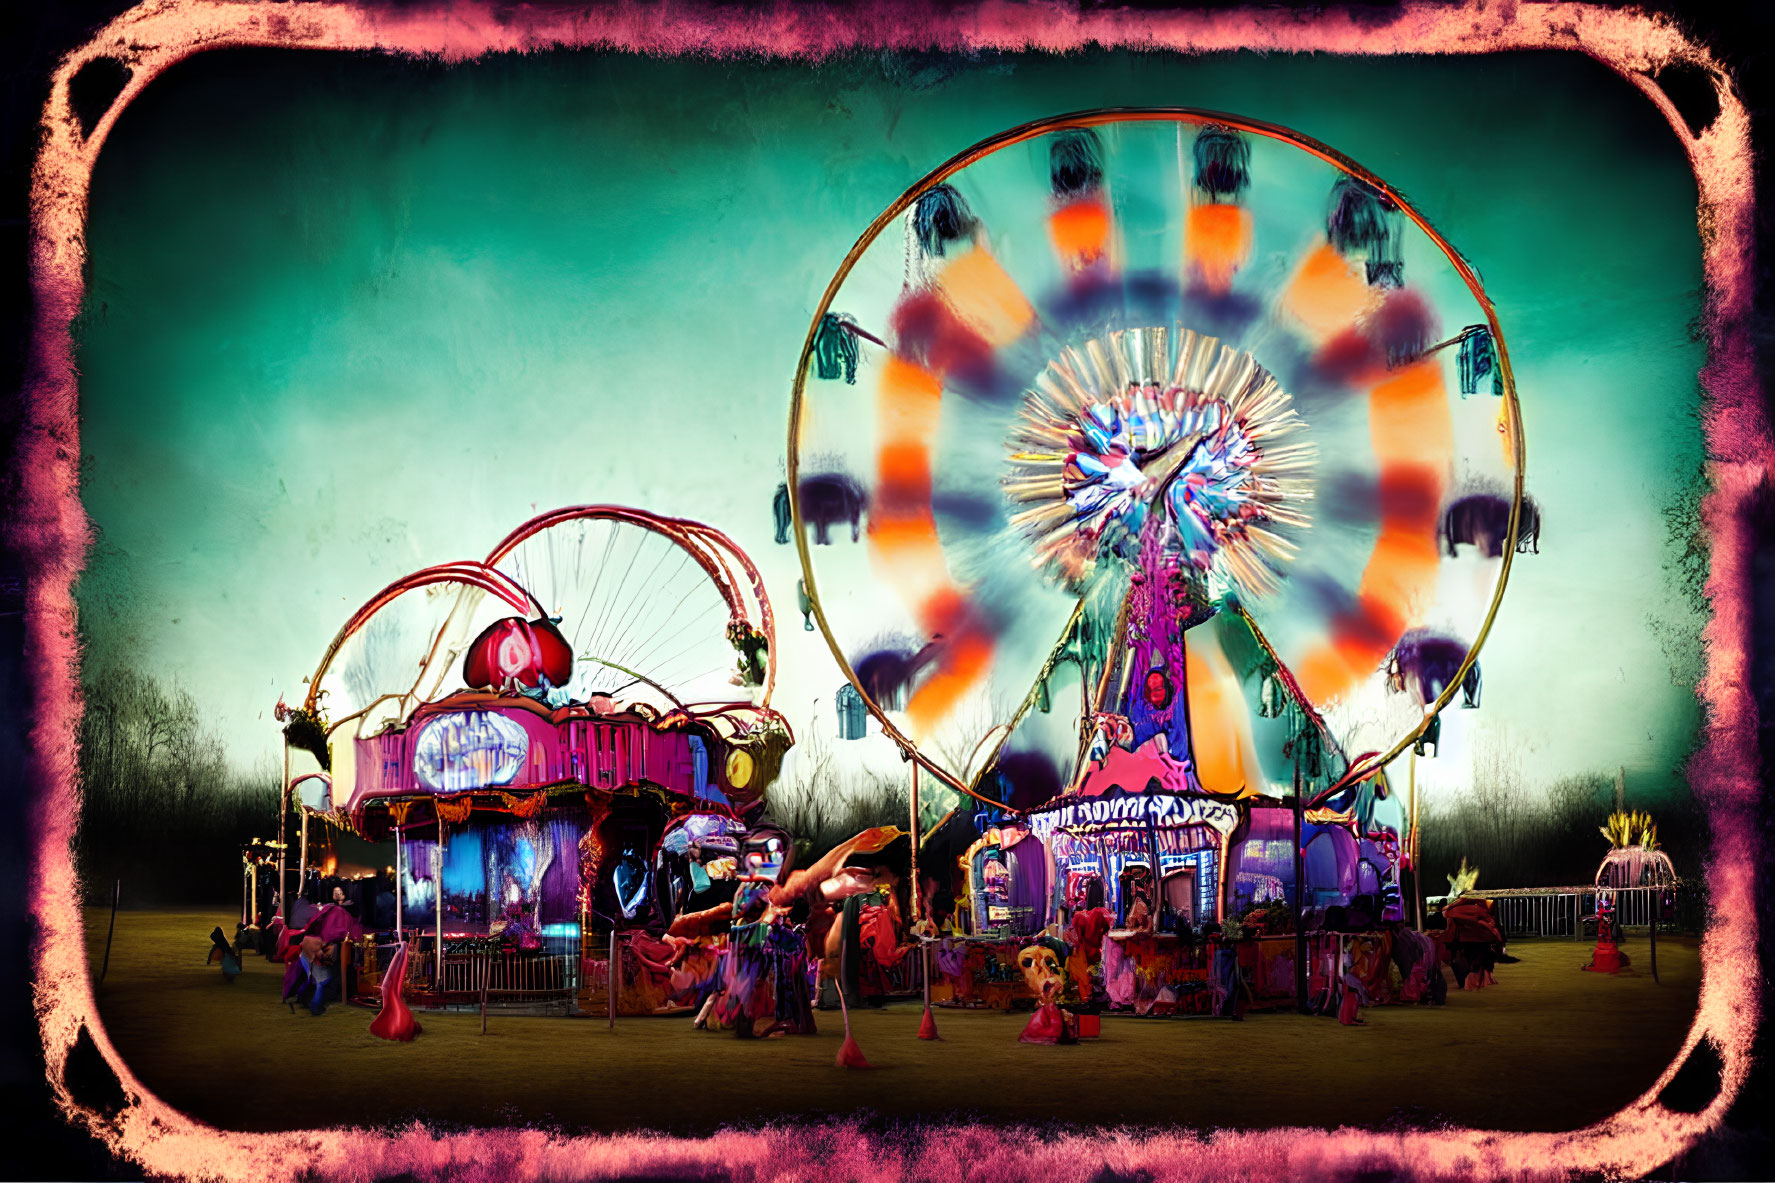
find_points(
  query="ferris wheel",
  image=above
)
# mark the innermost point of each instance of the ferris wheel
(1148, 410)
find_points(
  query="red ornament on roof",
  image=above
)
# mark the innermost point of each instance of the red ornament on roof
(520, 653)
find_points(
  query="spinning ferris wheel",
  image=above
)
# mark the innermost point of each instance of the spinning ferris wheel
(1149, 411)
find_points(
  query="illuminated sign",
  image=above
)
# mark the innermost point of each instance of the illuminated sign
(1162, 810)
(469, 750)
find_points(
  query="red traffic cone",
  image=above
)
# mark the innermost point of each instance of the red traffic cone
(395, 1021)
(927, 1026)
(1606, 958)
(849, 1054)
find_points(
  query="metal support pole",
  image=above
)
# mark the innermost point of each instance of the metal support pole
(437, 886)
(1653, 937)
(283, 817)
(302, 856)
(844, 967)
(117, 894)
(486, 960)
(399, 928)
(613, 974)
(1300, 933)
(1417, 858)
(917, 888)
(1152, 856)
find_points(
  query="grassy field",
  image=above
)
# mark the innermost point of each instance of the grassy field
(1550, 1048)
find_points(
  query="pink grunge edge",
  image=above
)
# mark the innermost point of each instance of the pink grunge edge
(50, 528)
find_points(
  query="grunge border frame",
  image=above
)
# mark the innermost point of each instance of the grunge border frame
(49, 528)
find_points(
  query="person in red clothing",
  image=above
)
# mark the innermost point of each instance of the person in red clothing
(1088, 930)
(1084, 937)
(1471, 942)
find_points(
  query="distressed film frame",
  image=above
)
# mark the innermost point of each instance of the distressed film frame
(49, 528)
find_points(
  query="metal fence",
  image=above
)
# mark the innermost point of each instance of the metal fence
(548, 977)
(508, 976)
(1571, 911)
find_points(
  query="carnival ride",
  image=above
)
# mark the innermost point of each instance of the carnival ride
(1195, 426)
(565, 741)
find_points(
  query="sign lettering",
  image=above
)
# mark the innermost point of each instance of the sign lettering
(1163, 810)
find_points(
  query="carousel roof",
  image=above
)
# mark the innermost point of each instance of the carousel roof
(597, 613)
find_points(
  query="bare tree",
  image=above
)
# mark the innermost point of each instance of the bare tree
(162, 806)
(1498, 791)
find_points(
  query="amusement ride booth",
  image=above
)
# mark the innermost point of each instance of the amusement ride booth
(1182, 454)
(588, 734)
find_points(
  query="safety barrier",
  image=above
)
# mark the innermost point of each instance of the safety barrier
(548, 977)
(1571, 911)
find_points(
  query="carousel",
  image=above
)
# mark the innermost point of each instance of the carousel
(1184, 461)
(562, 747)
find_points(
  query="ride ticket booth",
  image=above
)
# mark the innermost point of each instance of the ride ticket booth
(1151, 858)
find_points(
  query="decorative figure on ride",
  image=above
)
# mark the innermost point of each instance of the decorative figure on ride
(1042, 973)
(1363, 956)
(814, 896)
(766, 966)
(1472, 943)
(1420, 966)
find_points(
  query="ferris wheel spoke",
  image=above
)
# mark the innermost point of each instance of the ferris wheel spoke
(662, 634)
(624, 615)
(597, 582)
(607, 613)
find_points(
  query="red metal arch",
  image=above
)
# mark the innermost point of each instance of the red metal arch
(712, 550)
(479, 575)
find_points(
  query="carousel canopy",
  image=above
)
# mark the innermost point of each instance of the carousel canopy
(596, 648)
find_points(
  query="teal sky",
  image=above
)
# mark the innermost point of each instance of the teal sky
(350, 316)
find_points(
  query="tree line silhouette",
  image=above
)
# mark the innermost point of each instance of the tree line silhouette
(163, 811)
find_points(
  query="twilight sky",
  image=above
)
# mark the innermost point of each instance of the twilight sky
(350, 316)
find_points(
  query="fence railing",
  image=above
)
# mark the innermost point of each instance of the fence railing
(507, 977)
(1571, 911)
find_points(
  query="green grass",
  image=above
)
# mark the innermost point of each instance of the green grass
(1551, 1048)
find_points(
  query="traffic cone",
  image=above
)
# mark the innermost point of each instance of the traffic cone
(395, 1021)
(927, 1026)
(1606, 958)
(849, 1054)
